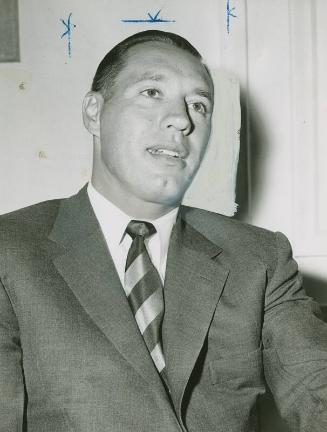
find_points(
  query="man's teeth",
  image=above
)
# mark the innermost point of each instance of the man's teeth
(164, 152)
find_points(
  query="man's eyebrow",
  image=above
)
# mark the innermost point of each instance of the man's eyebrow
(150, 76)
(204, 93)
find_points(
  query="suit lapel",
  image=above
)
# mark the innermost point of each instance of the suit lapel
(89, 271)
(194, 283)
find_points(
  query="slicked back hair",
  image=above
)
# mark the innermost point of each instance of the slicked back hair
(114, 61)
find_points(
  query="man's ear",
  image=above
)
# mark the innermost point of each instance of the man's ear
(92, 106)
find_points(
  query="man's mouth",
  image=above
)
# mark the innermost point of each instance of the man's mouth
(165, 152)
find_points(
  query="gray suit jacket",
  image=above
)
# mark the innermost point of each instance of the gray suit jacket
(72, 358)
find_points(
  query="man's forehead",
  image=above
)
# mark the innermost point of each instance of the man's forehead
(151, 59)
(149, 76)
(152, 51)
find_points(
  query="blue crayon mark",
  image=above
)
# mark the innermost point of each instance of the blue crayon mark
(152, 19)
(229, 15)
(69, 27)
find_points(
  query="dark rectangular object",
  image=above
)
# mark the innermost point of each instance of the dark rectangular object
(324, 311)
(9, 31)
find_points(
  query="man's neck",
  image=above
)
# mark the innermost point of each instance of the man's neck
(132, 206)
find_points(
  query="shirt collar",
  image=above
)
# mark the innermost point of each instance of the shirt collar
(114, 221)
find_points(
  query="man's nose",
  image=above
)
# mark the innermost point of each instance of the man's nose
(178, 118)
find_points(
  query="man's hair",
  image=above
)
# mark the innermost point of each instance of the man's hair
(114, 61)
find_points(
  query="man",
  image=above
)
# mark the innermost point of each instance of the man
(122, 310)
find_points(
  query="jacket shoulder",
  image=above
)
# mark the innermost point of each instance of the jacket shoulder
(217, 223)
(31, 221)
(235, 237)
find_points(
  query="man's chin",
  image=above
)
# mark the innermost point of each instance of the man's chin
(169, 199)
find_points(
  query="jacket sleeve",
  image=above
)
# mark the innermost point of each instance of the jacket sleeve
(11, 373)
(295, 346)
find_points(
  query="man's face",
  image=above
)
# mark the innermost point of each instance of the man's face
(156, 125)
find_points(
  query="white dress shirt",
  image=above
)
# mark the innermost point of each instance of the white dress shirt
(113, 223)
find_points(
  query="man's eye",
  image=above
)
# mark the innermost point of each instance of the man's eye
(199, 107)
(152, 93)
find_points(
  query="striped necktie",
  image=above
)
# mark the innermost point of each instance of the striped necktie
(144, 291)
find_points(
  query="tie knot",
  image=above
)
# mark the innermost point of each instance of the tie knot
(140, 228)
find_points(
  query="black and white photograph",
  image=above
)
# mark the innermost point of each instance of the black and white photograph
(163, 208)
